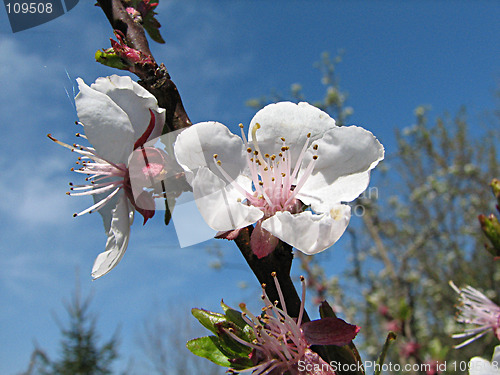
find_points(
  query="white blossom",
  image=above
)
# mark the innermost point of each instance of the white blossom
(290, 176)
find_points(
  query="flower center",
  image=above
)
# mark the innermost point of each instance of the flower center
(103, 176)
(274, 181)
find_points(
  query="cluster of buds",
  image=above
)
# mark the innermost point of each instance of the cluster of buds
(143, 12)
(121, 56)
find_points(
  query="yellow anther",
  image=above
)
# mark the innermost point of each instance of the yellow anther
(216, 156)
(219, 162)
(315, 147)
(249, 150)
(308, 135)
(241, 126)
(315, 157)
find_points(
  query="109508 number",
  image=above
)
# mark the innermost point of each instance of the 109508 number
(32, 8)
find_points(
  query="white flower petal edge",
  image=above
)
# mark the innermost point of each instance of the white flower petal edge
(307, 232)
(218, 205)
(115, 112)
(106, 125)
(345, 157)
(118, 237)
(196, 146)
(134, 100)
(480, 366)
(292, 121)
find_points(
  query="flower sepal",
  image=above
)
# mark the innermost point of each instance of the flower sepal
(221, 348)
(346, 353)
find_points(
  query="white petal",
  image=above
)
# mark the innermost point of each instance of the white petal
(218, 202)
(118, 236)
(480, 366)
(134, 100)
(291, 121)
(106, 125)
(345, 155)
(496, 355)
(308, 232)
(195, 147)
(344, 189)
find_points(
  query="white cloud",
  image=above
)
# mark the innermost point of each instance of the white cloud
(33, 193)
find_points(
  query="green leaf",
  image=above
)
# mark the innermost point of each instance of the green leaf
(208, 319)
(110, 58)
(208, 347)
(230, 346)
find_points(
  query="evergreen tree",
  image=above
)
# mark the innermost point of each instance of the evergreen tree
(80, 352)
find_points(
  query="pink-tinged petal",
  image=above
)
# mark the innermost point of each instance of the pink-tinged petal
(106, 125)
(135, 101)
(315, 363)
(329, 331)
(262, 242)
(308, 232)
(342, 152)
(229, 234)
(219, 204)
(291, 121)
(145, 205)
(147, 133)
(118, 237)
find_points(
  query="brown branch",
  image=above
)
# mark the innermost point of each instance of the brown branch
(120, 20)
(279, 261)
(154, 78)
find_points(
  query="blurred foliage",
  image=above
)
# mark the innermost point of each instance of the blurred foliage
(421, 232)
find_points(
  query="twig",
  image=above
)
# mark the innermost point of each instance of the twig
(154, 78)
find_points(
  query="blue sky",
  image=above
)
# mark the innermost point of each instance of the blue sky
(398, 55)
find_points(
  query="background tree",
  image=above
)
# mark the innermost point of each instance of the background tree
(80, 353)
(163, 341)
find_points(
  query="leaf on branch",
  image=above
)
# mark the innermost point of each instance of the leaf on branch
(208, 347)
(142, 11)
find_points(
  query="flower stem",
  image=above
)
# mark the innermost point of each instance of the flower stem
(279, 261)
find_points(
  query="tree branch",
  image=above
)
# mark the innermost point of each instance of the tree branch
(154, 78)
(279, 261)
